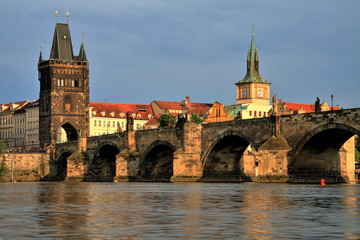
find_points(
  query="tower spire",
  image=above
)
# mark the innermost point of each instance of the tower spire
(82, 55)
(40, 57)
(252, 74)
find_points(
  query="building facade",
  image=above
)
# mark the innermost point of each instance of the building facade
(7, 121)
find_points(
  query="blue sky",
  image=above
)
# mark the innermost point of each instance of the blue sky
(145, 50)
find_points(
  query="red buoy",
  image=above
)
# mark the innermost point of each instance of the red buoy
(322, 182)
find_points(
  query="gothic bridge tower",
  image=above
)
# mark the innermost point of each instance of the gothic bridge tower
(64, 91)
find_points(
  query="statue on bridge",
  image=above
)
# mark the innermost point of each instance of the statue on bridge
(182, 119)
(275, 104)
(317, 105)
(129, 122)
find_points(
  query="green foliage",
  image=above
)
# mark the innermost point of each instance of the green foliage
(195, 118)
(2, 166)
(167, 120)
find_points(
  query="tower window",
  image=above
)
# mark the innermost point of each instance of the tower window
(76, 83)
(67, 103)
(72, 83)
(62, 82)
(58, 82)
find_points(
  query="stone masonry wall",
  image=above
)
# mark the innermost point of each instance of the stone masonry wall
(26, 167)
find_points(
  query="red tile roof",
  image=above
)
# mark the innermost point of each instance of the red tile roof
(117, 108)
(19, 105)
(309, 108)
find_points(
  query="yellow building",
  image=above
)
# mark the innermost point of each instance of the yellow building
(7, 121)
(32, 125)
(108, 118)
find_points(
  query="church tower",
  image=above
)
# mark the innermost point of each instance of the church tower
(64, 91)
(253, 88)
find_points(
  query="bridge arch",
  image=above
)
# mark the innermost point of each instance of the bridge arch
(103, 163)
(61, 164)
(66, 131)
(317, 153)
(221, 159)
(157, 162)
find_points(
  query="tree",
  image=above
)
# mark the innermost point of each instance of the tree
(167, 120)
(195, 118)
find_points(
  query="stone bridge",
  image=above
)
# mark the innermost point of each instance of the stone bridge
(291, 148)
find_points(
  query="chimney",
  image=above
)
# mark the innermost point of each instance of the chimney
(187, 101)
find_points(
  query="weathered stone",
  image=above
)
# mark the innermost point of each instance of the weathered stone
(77, 166)
(25, 167)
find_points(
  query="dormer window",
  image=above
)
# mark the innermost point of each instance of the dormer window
(112, 114)
(139, 116)
(122, 114)
(103, 113)
(133, 115)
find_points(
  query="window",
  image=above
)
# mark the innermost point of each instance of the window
(254, 113)
(67, 103)
(76, 83)
(95, 123)
(99, 123)
(62, 82)
(58, 82)
(264, 114)
(72, 83)
(250, 113)
(259, 114)
(113, 123)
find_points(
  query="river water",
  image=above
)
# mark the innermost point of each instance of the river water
(70, 210)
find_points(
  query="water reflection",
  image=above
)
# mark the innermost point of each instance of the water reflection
(167, 211)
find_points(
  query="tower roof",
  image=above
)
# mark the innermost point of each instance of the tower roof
(252, 74)
(62, 46)
(82, 54)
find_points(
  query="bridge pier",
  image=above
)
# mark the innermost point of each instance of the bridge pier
(127, 166)
(347, 161)
(77, 163)
(273, 157)
(187, 163)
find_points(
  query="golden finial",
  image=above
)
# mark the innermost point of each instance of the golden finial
(82, 37)
(56, 14)
(41, 47)
(67, 17)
